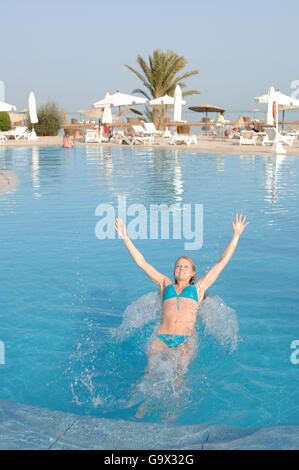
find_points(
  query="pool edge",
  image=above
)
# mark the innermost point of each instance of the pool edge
(26, 427)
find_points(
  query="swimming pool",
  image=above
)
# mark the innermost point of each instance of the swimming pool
(75, 339)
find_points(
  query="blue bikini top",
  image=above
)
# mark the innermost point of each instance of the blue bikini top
(190, 292)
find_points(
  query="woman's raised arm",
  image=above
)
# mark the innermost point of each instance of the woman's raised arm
(238, 225)
(152, 273)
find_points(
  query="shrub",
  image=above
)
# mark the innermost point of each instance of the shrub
(50, 119)
(5, 122)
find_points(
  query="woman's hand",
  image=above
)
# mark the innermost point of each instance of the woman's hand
(120, 228)
(239, 224)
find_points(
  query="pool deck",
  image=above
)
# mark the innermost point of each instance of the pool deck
(25, 427)
(204, 145)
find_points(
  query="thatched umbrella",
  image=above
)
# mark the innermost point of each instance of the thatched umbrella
(284, 108)
(17, 117)
(139, 113)
(254, 110)
(207, 108)
(95, 113)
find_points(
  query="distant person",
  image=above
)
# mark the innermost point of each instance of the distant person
(220, 124)
(257, 127)
(108, 131)
(67, 141)
(240, 124)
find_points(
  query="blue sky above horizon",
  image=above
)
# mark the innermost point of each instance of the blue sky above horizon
(73, 52)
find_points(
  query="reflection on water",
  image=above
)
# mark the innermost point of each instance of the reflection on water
(177, 180)
(220, 163)
(160, 173)
(166, 182)
(35, 172)
(162, 181)
(274, 175)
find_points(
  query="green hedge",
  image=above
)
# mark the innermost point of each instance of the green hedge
(50, 119)
(5, 122)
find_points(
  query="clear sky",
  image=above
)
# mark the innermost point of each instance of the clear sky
(73, 51)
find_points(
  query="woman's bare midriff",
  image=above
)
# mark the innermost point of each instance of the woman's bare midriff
(178, 321)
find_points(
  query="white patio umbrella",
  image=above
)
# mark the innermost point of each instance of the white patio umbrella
(107, 115)
(279, 99)
(118, 100)
(32, 108)
(7, 107)
(163, 102)
(102, 103)
(32, 113)
(177, 108)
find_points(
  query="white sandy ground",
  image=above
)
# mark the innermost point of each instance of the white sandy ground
(204, 145)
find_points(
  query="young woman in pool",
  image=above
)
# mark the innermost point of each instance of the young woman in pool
(180, 299)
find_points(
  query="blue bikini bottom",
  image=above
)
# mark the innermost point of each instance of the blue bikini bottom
(172, 340)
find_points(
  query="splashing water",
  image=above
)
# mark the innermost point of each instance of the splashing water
(105, 377)
(158, 388)
(220, 321)
(144, 310)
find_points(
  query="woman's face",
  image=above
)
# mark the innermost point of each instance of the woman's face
(183, 270)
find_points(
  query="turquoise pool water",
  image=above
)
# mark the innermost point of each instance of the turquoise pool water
(75, 338)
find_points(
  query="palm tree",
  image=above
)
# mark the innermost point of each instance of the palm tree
(160, 76)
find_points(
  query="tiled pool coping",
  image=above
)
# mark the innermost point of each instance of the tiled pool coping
(29, 427)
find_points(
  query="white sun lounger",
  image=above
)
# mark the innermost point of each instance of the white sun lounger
(92, 136)
(150, 127)
(2, 138)
(144, 140)
(183, 139)
(95, 136)
(17, 133)
(272, 133)
(139, 131)
(120, 137)
(248, 138)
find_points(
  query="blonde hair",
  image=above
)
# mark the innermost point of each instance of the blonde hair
(192, 278)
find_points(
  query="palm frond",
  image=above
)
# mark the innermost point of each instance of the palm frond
(161, 74)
